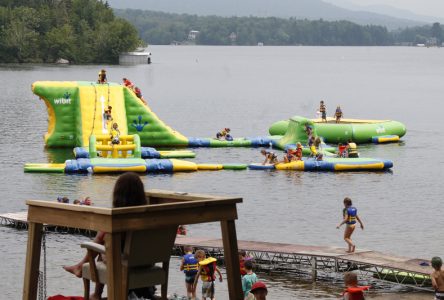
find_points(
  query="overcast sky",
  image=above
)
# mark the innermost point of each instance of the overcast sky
(423, 7)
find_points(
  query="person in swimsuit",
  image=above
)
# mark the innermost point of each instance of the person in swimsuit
(270, 157)
(323, 111)
(438, 278)
(338, 114)
(350, 215)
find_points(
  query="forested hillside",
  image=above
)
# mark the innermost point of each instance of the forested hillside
(165, 28)
(81, 31)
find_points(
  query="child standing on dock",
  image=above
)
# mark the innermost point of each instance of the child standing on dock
(249, 278)
(438, 278)
(189, 265)
(207, 272)
(350, 214)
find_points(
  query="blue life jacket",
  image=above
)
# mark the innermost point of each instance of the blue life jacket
(190, 264)
(352, 212)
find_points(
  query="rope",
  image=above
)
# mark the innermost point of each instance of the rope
(109, 91)
(42, 274)
(95, 109)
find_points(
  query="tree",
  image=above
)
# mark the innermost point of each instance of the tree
(437, 32)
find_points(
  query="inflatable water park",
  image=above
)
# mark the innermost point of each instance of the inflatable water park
(111, 129)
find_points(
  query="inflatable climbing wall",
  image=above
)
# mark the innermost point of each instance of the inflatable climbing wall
(77, 109)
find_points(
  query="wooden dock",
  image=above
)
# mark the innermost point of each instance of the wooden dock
(19, 220)
(316, 261)
(291, 258)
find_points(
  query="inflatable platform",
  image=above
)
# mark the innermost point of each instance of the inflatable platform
(359, 131)
(329, 165)
(81, 115)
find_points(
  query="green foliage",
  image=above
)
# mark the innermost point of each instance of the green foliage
(420, 35)
(165, 28)
(82, 31)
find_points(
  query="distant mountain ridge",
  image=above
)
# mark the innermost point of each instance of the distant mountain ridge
(302, 9)
(386, 10)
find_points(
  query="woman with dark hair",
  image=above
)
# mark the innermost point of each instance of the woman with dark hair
(128, 191)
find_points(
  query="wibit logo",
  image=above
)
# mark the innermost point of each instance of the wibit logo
(138, 124)
(65, 100)
(380, 129)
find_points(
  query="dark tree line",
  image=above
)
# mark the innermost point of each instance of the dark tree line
(81, 31)
(165, 28)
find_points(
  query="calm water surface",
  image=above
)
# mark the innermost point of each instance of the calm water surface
(197, 91)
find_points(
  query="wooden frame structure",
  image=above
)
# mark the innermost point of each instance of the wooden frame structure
(165, 209)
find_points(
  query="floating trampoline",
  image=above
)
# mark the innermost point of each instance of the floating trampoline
(359, 131)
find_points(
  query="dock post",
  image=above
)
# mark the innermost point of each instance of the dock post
(229, 240)
(314, 268)
(34, 246)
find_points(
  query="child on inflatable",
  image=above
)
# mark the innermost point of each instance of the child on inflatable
(314, 144)
(102, 77)
(225, 133)
(338, 114)
(342, 150)
(323, 111)
(138, 93)
(107, 114)
(438, 278)
(270, 157)
(189, 265)
(352, 149)
(352, 290)
(207, 272)
(128, 83)
(290, 155)
(298, 153)
(115, 134)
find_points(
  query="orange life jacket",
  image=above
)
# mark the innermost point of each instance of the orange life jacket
(356, 292)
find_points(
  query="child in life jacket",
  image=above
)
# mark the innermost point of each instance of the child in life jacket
(438, 278)
(298, 153)
(270, 157)
(189, 265)
(207, 272)
(102, 77)
(350, 216)
(128, 83)
(352, 290)
(338, 114)
(107, 114)
(323, 111)
(115, 134)
(225, 133)
(342, 150)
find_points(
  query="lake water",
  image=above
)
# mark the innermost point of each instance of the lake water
(198, 91)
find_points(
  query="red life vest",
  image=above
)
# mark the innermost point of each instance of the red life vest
(356, 292)
(242, 267)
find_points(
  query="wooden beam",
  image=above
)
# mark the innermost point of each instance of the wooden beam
(32, 261)
(232, 260)
(115, 284)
